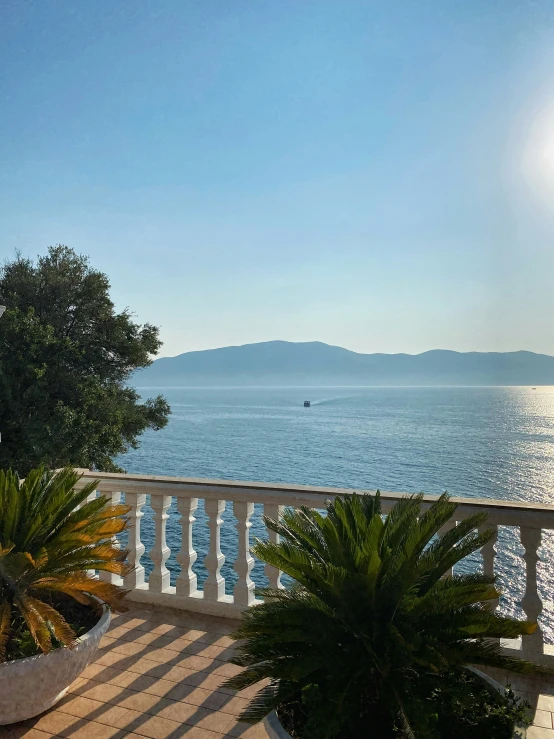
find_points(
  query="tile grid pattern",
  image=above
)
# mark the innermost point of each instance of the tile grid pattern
(159, 674)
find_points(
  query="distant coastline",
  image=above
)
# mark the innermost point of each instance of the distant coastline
(314, 364)
(332, 387)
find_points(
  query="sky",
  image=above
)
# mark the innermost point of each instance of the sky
(376, 175)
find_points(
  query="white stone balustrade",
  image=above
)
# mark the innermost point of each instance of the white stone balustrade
(531, 602)
(214, 587)
(488, 552)
(529, 518)
(135, 579)
(244, 588)
(443, 530)
(159, 554)
(109, 576)
(187, 581)
(273, 575)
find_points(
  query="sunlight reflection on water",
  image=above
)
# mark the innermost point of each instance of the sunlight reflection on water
(474, 442)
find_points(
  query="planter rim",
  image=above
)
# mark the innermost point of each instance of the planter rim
(80, 640)
(274, 727)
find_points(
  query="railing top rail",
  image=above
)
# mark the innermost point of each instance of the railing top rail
(538, 515)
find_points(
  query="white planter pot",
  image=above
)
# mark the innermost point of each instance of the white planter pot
(31, 685)
(275, 730)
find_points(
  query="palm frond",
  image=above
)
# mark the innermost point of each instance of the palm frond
(51, 536)
(5, 622)
(369, 609)
(266, 700)
(35, 622)
(57, 623)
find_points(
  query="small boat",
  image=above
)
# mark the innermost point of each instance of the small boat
(307, 403)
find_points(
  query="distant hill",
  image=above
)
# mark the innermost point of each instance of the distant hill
(314, 363)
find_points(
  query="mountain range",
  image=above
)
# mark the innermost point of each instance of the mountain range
(275, 363)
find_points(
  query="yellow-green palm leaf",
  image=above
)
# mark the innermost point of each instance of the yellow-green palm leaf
(52, 542)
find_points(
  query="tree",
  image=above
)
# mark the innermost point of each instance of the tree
(65, 358)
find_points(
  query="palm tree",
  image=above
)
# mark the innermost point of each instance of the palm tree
(373, 622)
(51, 539)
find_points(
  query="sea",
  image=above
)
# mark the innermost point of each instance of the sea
(476, 442)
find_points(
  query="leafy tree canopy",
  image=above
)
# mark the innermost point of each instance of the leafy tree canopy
(65, 358)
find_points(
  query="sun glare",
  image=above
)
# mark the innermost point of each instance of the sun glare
(538, 155)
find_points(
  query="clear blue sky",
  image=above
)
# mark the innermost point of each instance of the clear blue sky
(378, 175)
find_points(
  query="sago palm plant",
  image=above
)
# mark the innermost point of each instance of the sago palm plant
(51, 539)
(373, 622)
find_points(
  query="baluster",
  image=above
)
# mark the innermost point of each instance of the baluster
(186, 582)
(214, 586)
(158, 581)
(272, 573)
(90, 497)
(488, 552)
(448, 526)
(135, 578)
(115, 498)
(244, 588)
(531, 602)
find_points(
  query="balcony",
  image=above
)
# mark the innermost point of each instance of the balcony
(159, 674)
(176, 500)
(162, 665)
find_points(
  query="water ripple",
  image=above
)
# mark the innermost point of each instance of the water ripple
(474, 442)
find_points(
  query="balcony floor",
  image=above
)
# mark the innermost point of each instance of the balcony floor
(159, 674)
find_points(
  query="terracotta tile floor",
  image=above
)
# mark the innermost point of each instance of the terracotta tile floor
(158, 674)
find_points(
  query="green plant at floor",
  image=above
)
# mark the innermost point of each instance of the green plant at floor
(466, 706)
(47, 548)
(373, 623)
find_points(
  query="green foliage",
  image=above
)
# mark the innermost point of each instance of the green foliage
(464, 706)
(65, 357)
(47, 547)
(373, 623)
(461, 705)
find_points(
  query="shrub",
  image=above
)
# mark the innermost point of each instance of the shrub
(51, 539)
(373, 623)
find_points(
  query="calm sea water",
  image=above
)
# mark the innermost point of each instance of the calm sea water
(475, 442)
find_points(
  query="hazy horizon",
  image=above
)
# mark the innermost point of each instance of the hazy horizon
(162, 355)
(313, 364)
(378, 175)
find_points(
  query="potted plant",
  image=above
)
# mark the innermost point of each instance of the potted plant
(53, 609)
(374, 638)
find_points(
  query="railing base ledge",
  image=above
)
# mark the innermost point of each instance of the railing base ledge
(223, 608)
